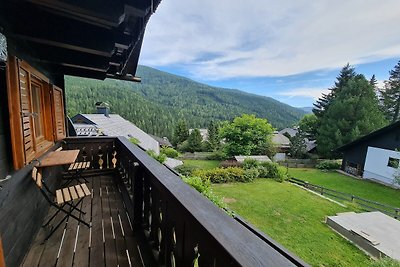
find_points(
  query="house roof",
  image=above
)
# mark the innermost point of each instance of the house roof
(163, 141)
(115, 125)
(95, 39)
(291, 131)
(258, 158)
(369, 136)
(280, 140)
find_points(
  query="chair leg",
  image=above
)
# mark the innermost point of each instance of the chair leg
(52, 217)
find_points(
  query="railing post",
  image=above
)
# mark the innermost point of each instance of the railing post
(138, 197)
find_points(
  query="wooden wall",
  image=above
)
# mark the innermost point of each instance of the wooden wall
(5, 149)
(23, 209)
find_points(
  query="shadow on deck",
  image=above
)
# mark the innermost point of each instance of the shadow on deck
(109, 242)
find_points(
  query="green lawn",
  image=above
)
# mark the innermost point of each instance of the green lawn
(362, 188)
(201, 164)
(295, 218)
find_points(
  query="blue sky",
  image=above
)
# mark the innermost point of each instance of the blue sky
(291, 51)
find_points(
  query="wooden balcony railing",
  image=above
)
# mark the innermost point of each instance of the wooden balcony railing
(178, 225)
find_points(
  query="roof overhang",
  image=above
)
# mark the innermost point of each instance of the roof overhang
(92, 38)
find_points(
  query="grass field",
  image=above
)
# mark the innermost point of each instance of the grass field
(362, 188)
(201, 164)
(295, 218)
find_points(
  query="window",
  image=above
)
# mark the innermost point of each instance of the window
(393, 162)
(36, 112)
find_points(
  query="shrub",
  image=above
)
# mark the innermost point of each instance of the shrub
(250, 174)
(221, 175)
(204, 187)
(160, 157)
(185, 169)
(230, 163)
(249, 163)
(328, 165)
(385, 262)
(217, 155)
(169, 152)
(134, 140)
(272, 170)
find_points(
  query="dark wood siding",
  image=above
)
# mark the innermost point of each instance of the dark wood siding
(357, 153)
(23, 208)
(5, 155)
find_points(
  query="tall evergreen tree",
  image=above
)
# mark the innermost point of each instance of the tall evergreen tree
(373, 81)
(323, 103)
(354, 113)
(194, 141)
(213, 135)
(390, 95)
(181, 132)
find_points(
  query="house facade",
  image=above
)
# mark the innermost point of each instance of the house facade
(374, 156)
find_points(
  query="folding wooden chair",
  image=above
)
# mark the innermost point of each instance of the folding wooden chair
(63, 197)
(75, 171)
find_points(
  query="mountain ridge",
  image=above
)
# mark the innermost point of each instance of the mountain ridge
(161, 99)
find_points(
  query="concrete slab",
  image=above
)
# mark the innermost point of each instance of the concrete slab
(374, 232)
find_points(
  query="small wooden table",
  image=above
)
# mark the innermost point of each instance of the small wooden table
(56, 158)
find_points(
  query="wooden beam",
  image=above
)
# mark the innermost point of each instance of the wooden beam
(63, 32)
(98, 12)
(65, 57)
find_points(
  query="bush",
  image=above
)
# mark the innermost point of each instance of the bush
(385, 262)
(204, 187)
(249, 163)
(250, 174)
(160, 157)
(169, 152)
(328, 165)
(217, 155)
(272, 170)
(230, 163)
(185, 169)
(221, 175)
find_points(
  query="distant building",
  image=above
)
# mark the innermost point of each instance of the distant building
(163, 141)
(374, 156)
(311, 145)
(104, 123)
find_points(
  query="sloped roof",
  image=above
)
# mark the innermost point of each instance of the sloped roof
(291, 131)
(369, 136)
(258, 158)
(280, 140)
(115, 125)
(163, 141)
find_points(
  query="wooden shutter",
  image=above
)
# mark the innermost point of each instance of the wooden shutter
(58, 108)
(26, 115)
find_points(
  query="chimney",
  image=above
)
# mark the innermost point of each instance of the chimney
(103, 108)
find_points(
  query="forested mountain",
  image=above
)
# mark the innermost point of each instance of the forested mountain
(161, 99)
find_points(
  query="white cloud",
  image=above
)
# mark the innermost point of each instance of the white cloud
(224, 39)
(313, 93)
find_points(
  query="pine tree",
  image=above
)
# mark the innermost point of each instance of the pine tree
(354, 113)
(213, 138)
(181, 132)
(323, 103)
(390, 95)
(194, 141)
(373, 81)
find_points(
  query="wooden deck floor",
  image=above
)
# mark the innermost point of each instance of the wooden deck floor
(109, 242)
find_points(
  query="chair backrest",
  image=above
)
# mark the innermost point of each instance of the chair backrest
(37, 177)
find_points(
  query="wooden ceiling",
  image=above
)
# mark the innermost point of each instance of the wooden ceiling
(90, 38)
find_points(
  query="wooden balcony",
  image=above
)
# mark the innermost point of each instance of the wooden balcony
(143, 214)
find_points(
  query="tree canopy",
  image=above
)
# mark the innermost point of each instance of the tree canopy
(354, 112)
(390, 95)
(247, 135)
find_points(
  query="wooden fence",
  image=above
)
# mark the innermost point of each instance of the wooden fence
(365, 204)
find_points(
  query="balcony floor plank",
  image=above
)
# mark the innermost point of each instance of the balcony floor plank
(88, 252)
